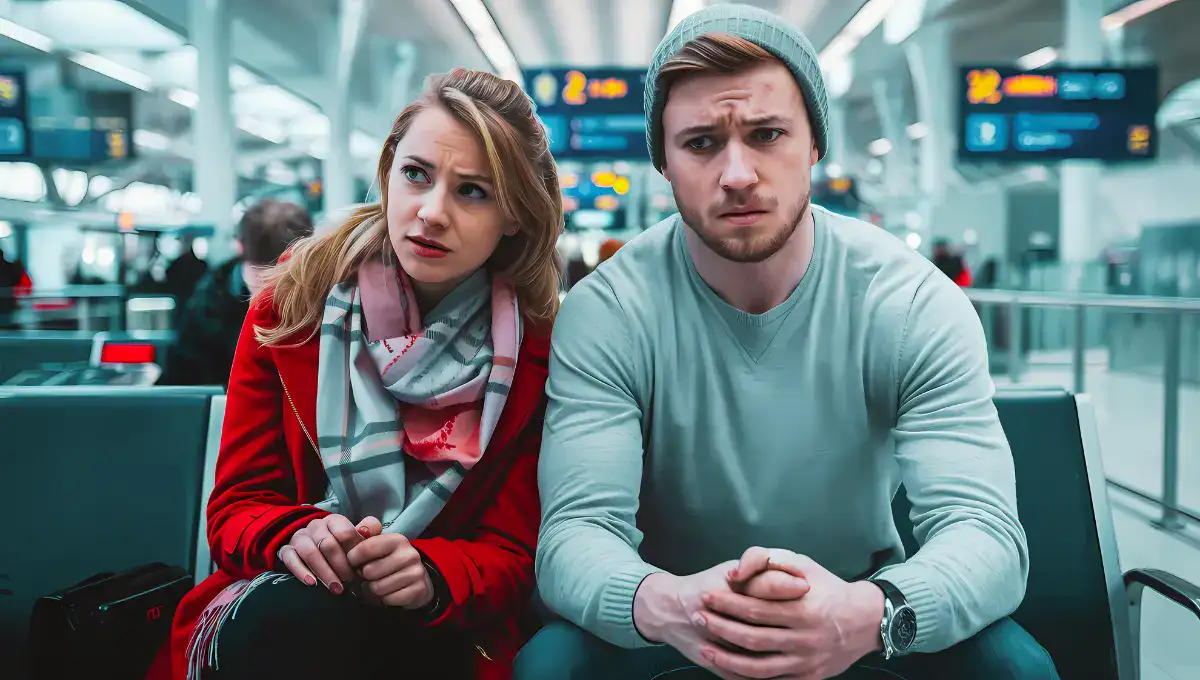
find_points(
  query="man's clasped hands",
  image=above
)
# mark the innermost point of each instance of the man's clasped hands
(771, 614)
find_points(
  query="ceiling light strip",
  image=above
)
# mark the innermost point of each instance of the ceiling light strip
(113, 70)
(855, 31)
(487, 35)
(1132, 12)
(24, 35)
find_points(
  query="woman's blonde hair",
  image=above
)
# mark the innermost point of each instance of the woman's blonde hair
(527, 190)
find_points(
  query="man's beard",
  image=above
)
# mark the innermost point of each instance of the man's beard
(746, 251)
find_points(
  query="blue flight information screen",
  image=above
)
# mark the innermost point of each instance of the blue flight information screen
(1059, 113)
(14, 116)
(591, 113)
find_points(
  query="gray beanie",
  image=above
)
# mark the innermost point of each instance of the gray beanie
(760, 27)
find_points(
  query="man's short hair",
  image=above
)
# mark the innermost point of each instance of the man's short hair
(711, 54)
(270, 228)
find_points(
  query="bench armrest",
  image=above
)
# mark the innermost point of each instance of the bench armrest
(1182, 592)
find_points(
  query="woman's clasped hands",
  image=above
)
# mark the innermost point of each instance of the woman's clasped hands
(335, 552)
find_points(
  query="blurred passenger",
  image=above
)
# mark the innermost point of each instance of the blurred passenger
(610, 248)
(183, 275)
(952, 264)
(14, 283)
(746, 386)
(376, 510)
(212, 321)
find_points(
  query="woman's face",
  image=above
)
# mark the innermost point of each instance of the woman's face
(442, 215)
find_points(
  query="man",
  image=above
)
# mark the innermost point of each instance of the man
(212, 319)
(755, 377)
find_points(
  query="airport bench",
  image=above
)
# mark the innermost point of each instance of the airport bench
(102, 479)
(1078, 604)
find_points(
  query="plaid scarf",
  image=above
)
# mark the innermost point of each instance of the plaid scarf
(405, 409)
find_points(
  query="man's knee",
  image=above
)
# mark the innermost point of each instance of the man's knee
(1005, 651)
(560, 651)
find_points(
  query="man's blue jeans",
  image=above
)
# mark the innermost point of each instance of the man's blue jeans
(1002, 651)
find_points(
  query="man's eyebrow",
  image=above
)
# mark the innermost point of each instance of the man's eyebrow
(753, 121)
(468, 176)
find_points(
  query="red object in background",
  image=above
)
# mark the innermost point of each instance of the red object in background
(964, 278)
(24, 286)
(127, 353)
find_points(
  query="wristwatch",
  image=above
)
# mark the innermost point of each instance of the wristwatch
(899, 625)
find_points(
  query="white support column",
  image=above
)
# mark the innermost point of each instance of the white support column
(1080, 240)
(838, 152)
(402, 77)
(339, 164)
(212, 123)
(935, 80)
(889, 103)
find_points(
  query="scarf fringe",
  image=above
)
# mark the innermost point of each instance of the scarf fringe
(203, 645)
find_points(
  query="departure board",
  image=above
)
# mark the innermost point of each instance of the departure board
(14, 133)
(1059, 113)
(591, 114)
(79, 126)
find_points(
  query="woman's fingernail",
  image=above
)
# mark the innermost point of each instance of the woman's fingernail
(708, 655)
(364, 532)
(335, 588)
(698, 619)
(310, 581)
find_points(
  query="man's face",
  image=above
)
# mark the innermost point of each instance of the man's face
(739, 153)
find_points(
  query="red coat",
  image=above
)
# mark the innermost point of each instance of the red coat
(482, 542)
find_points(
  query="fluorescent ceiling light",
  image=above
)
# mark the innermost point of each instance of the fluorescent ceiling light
(24, 35)
(184, 97)
(113, 70)
(879, 147)
(863, 24)
(1038, 58)
(917, 131)
(487, 35)
(680, 9)
(151, 140)
(1132, 12)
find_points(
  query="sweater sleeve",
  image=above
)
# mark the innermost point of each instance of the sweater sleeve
(957, 469)
(590, 472)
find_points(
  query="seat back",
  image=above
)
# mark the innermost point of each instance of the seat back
(1075, 598)
(100, 479)
(20, 351)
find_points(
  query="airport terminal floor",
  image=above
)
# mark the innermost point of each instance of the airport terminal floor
(281, 275)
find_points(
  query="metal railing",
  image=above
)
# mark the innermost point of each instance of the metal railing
(109, 302)
(1171, 309)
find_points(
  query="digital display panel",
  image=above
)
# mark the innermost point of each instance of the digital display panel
(14, 131)
(1059, 113)
(81, 126)
(591, 113)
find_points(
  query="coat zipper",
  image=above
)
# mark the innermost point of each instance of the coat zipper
(288, 395)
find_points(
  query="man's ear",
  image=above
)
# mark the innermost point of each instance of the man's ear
(665, 172)
(816, 155)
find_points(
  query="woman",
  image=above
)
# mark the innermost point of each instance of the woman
(375, 507)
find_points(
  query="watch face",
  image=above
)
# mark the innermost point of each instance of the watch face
(904, 628)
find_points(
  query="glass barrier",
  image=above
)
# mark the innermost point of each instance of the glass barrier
(1139, 359)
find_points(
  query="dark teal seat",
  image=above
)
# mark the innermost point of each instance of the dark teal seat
(100, 479)
(1076, 604)
(20, 351)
